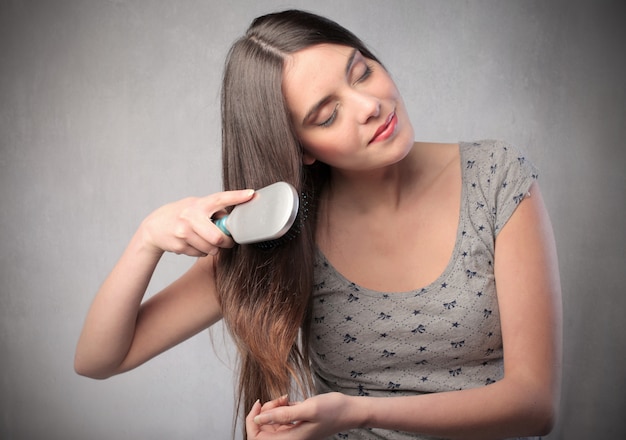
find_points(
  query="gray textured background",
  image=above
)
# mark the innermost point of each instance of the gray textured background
(109, 109)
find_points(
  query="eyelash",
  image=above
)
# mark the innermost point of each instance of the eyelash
(328, 122)
(366, 74)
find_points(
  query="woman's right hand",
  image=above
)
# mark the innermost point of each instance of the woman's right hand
(185, 227)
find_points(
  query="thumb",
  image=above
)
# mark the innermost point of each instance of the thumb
(253, 428)
(282, 416)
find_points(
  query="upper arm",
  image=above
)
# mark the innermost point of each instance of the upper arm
(181, 310)
(529, 297)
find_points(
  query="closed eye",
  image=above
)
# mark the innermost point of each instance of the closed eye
(366, 74)
(358, 70)
(331, 119)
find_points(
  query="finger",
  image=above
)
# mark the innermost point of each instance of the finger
(284, 415)
(200, 232)
(208, 231)
(197, 244)
(201, 219)
(193, 241)
(253, 429)
(219, 201)
(281, 401)
(206, 236)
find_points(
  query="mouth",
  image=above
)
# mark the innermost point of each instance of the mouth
(386, 129)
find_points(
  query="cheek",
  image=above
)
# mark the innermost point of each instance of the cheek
(318, 150)
(330, 144)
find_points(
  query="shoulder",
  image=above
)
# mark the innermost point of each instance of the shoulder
(496, 157)
(499, 174)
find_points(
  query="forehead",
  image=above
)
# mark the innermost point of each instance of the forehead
(310, 74)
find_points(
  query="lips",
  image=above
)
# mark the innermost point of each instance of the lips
(386, 129)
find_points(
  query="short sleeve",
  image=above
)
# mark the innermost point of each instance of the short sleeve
(513, 174)
(497, 177)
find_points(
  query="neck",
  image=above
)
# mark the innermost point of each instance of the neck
(366, 191)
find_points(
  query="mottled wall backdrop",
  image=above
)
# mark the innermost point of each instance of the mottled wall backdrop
(109, 109)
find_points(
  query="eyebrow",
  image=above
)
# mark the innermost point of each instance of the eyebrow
(325, 99)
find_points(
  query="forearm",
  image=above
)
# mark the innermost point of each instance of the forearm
(503, 409)
(110, 323)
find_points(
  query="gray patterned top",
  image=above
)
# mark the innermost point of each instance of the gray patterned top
(442, 337)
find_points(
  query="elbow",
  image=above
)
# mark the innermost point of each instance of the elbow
(92, 374)
(543, 424)
(88, 370)
(547, 420)
(541, 415)
(534, 410)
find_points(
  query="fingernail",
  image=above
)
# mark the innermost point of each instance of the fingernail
(250, 192)
(263, 420)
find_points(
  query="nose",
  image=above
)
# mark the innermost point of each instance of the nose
(367, 106)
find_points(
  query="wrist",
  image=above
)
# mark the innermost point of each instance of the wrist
(142, 245)
(142, 242)
(360, 412)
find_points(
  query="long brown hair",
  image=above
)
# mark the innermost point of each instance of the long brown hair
(265, 294)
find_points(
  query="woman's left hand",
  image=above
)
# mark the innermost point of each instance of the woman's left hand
(313, 419)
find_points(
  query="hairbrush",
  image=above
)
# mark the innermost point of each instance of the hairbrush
(268, 219)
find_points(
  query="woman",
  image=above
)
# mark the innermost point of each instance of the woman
(384, 304)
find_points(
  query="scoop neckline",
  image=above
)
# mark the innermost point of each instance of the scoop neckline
(451, 261)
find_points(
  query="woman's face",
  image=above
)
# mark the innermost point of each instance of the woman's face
(346, 109)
